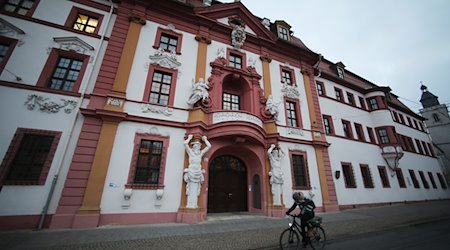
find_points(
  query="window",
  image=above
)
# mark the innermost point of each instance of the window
(235, 61)
(168, 40)
(424, 180)
(65, 74)
(371, 136)
(383, 135)
(291, 114)
(283, 33)
(373, 104)
(287, 76)
(384, 176)
(347, 127)
(148, 162)
(442, 180)
(320, 88)
(160, 86)
(395, 116)
(413, 178)
(6, 48)
(168, 43)
(419, 147)
(160, 90)
(402, 119)
(349, 177)
(366, 175)
(64, 70)
(415, 124)
(328, 125)
(363, 103)
(409, 121)
(300, 171)
(430, 148)
(338, 94)
(84, 21)
(231, 102)
(400, 178)
(360, 132)
(21, 7)
(433, 183)
(425, 148)
(351, 99)
(29, 157)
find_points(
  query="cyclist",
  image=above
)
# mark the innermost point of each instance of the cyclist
(306, 207)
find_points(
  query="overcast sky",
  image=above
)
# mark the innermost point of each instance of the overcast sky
(395, 43)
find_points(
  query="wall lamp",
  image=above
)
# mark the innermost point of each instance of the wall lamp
(337, 174)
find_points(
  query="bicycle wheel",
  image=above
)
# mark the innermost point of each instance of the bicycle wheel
(318, 239)
(289, 239)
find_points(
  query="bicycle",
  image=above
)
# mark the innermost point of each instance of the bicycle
(290, 239)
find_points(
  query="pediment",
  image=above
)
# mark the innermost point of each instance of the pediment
(10, 30)
(225, 13)
(74, 44)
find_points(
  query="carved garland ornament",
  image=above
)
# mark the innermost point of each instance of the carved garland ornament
(49, 106)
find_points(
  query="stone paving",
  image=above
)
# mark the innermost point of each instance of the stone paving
(225, 231)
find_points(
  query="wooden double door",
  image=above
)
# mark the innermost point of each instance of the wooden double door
(227, 187)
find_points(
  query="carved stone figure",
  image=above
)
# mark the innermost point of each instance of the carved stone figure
(272, 106)
(199, 91)
(276, 174)
(238, 36)
(193, 175)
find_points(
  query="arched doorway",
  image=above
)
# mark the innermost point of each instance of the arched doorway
(227, 187)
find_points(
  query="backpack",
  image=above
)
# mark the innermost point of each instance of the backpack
(307, 207)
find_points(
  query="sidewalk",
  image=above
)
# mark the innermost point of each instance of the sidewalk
(232, 231)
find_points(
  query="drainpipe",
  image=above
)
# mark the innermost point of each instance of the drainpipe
(74, 121)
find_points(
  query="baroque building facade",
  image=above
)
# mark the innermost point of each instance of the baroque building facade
(166, 111)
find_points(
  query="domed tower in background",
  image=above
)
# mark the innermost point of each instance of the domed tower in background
(438, 124)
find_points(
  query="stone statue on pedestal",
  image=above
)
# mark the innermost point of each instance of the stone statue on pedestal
(193, 175)
(276, 174)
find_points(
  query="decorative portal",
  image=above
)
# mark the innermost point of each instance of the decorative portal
(49, 106)
(276, 174)
(193, 175)
(199, 91)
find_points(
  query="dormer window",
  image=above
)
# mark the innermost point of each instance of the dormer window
(283, 33)
(340, 69)
(282, 29)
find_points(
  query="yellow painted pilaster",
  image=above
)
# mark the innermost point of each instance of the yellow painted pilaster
(94, 188)
(266, 74)
(97, 176)
(126, 62)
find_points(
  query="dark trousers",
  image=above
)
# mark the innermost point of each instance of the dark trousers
(303, 221)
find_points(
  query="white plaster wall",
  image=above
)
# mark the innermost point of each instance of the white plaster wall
(276, 85)
(312, 169)
(143, 201)
(16, 200)
(38, 41)
(60, 11)
(139, 70)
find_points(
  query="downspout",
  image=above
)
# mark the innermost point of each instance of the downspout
(74, 122)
